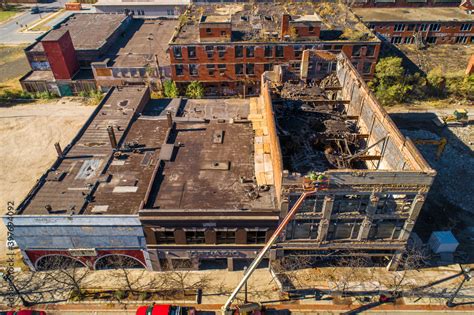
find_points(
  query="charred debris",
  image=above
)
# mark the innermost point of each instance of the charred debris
(316, 133)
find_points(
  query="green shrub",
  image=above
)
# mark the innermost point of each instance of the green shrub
(170, 89)
(120, 294)
(459, 86)
(15, 94)
(77, 295)
(195, 90)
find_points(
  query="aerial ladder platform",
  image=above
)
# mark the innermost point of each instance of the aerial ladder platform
(226, 308)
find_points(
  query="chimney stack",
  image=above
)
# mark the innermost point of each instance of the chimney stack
(285, 25)
(170, 119)
(58, 150)
(113, 139)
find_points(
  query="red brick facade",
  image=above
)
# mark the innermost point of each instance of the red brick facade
(433, 33)
(61, 56)
(406, 3)
(226, 66)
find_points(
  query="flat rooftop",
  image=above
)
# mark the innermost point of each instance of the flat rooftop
(433, 14)
(141, 3)
(212, 162)
(89, 31)
(257, 21)
(205, 161)
(142, 41)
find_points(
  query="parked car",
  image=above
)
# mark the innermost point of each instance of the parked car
(23, 312)
(165, 309)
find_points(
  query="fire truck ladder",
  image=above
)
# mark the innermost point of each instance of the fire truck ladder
(226, 310)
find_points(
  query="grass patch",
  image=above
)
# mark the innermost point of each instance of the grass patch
(9, 12)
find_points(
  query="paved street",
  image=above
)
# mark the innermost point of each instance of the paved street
(10, 31)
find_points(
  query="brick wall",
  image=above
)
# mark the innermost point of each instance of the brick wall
(434, 33)
(200, 65)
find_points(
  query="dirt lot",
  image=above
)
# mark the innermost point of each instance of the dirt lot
(450, 203)
(451, 58)
(27, 134)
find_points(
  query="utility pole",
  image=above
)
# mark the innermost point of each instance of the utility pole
(466, 272)
(246, 296)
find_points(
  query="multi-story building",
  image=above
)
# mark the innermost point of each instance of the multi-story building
(422, 25)
(227, 47)
(121, 51)
(179, 183)
(360, 3)
(405, 3)
(153, 8)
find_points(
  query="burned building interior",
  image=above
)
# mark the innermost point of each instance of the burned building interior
(184, 183)
(316, 132)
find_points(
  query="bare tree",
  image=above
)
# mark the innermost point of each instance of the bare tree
(67, 273)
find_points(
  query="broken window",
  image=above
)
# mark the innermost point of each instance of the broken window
(195, 237)
(239, 69)
(250, 69)
(399, 28)
(367, 67)
(296, 66)
(222, 69)
(396, 39)
(181, 263)
(435, 27)
(350, 203)
(344, 229)
(386, 229)
(268, 51)
(311, 29)
(355, 64)
(208, 31)
(466, 27)
(298, 50)
(177, 52)
(221, 51)
(191, 52)
(210, 69)
(179, 69)
(193, 69)
(165, 237)
(225, 237)
(279, 52)
(356, 50)
(370, 51)
(411, 27)
(250, 51)
(302, 229)
(461, 39)
(210, 51)
(256, 237)
(311, 204)
(239, 51)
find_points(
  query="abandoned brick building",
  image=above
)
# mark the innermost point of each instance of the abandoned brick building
(179, 183)
(450, 25)
(228, 46)
(360, 3)
(121, 50)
